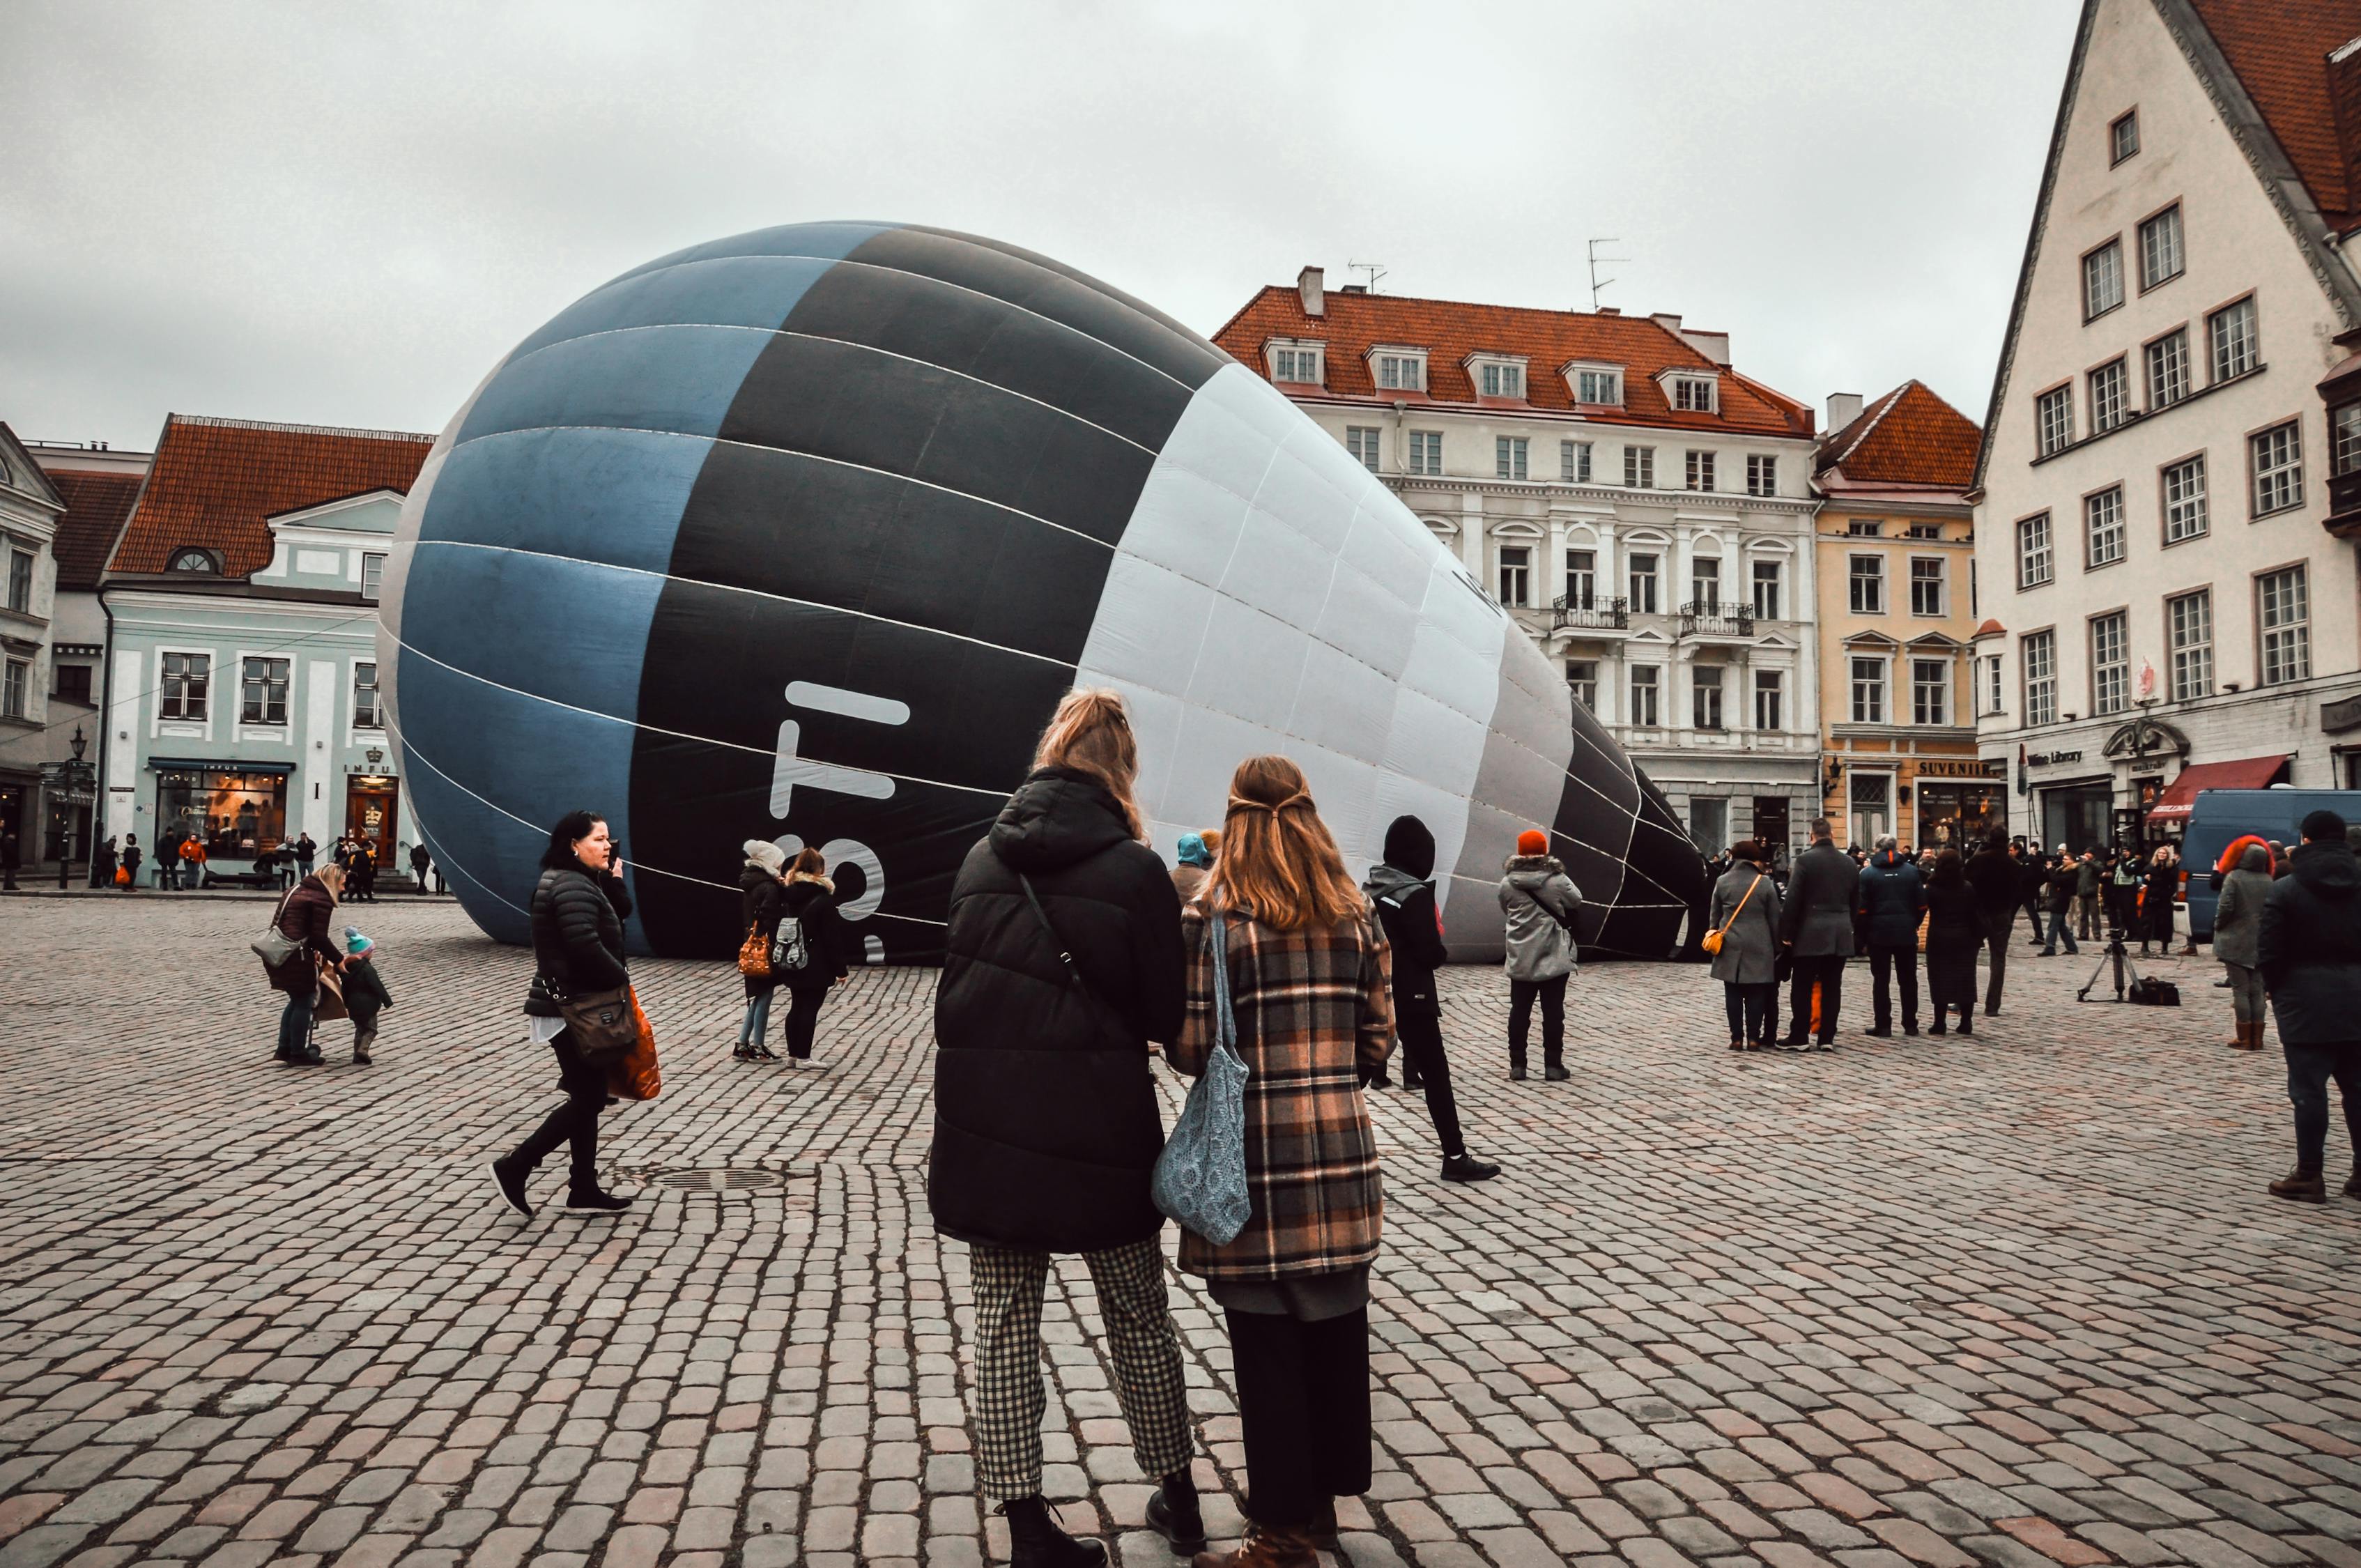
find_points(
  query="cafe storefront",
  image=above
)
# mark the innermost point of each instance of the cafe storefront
(237, 810)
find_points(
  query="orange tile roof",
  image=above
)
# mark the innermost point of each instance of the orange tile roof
(1450, 331)
(1909, 436)
(2280, 49)
(215, 480)
(96, 505)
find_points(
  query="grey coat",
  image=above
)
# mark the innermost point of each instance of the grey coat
(1539, 901)
(1817, 916)
(1749, 949)
(2238, 917)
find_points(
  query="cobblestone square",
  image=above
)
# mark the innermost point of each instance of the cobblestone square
(2018, 1299)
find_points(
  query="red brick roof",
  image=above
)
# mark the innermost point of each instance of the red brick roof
(1450, 332)
(2280, 49)
(215, 480)
(96, 505)
(1909, 436)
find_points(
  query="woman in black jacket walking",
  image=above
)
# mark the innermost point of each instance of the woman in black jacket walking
(809, 947)
(577, 950)
(1955, 929)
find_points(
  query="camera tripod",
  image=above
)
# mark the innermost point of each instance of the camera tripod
(2127, 973)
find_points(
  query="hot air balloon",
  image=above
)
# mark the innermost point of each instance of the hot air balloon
(802, 534)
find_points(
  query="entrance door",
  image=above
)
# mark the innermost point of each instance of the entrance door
(372, 811)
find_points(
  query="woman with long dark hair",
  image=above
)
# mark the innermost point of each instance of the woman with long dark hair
(1954, 930)
(577, 950)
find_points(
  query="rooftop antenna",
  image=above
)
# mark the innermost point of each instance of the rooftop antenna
(1597, 282)
(1375, 270)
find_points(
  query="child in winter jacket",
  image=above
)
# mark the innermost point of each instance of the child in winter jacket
(365, 992)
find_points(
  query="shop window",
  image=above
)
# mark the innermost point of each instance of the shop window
(235, 816)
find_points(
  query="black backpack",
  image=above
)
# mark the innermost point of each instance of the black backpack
(2149, 991)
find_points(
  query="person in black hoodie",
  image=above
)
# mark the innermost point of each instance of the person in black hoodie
(1993, 874)
(2310, 949)
(1893, 899)
(807, 947)
(1062, 963)
(1400, 888)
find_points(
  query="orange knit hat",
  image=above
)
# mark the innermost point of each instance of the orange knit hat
(1532, 841)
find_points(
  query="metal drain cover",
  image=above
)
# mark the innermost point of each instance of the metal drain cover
(719, 1178)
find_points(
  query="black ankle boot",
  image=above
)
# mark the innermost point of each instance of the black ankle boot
(1036, 1541)
(1172, 1513)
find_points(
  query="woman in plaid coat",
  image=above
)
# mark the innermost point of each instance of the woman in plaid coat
(1309, 989)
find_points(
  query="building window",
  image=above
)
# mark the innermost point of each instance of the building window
(1643, 584)
(2286, 620)
(1426, 452)
(1574, 462)
(1582, 680)
(1360, 440)
(2107, 400)
(1516, 575)
(1930, 691)
(2277, 458)
(2236, 349)
(1705, 699)
(1925, 531)
(372, 576)
(237, 816)
(18, 676)
(2041, 679)
(2123, 136)
(1301, 364)
(2110, 663)
(2054, 410)
(2184, 499)
(2033, 567)
(364, 708)
(20, 581)
(1926, 582)
(1863, 528)
(2102, 527)
(2167, 369)
(1639, 467)
(204, 561)
(1599, 387)
(187, 679)
(2189, 631)
(1503, 381)
(1993, 690)
(1869, 691)
(1643, 695)
(1694, 393)
(262, 692)
(1509, 456)
(1704, 584)
(2102, 279)
(73, 683)
(1700, 474)
(1868, 576)
(2159, 238)
(1769, 691)
(2344, 437)
(1581, 578)
(1766, 590)
(1401, 372)
(1762, 475)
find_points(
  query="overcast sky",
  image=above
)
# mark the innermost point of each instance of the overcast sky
(344, 215)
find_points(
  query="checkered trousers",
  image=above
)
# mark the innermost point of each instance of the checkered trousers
(1004, 1417)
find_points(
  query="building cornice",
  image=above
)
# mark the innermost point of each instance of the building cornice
(1727, 507)
(1425, 403)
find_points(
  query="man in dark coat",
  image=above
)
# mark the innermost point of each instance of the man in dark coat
(2064, 878)
(1892, 900)
(10, 859)
(2310, 949)
(2032, 877)
(1404, 898)
(1993, 874)
(1816, 924)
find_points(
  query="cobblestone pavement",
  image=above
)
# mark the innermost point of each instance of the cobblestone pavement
(2019, 1299)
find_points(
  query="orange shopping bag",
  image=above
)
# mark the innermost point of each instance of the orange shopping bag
(634, 1074)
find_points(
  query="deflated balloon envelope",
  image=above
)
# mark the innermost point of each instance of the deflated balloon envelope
(802, 534)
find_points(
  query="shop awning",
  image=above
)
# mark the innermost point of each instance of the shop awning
(198, 765)
(2180, 796)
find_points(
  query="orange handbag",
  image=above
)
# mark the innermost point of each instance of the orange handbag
(754, 955)
(634, 1074)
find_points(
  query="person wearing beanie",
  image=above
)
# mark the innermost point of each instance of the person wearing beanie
(1539, 901)
(2310, 952)
(364, 992)
(759, 889)
(1195, 858)
(1401, 891)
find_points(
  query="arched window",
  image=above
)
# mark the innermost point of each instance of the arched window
(191, 558)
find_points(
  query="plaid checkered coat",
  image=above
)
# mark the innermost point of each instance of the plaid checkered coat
(1312, 1006)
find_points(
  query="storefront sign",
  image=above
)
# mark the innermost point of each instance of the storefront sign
(2050, 759)
(1974, 768)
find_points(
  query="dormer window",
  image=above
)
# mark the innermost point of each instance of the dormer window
(1398, 369)
(1691, 393)
(1601, 384)
(191, 559)
(1297, 362)
(1496, 378)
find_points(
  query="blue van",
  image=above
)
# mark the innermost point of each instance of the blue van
(2220, 816)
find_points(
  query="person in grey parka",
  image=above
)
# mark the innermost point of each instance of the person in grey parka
(1539, 901)
(1745, 910)
(2237, 936)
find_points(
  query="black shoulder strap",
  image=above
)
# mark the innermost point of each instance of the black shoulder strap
(1065, 955)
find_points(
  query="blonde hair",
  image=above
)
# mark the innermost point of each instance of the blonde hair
(332, 877)
(1278, 862)
(1091, 734)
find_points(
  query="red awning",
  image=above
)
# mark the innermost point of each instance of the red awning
(2180, 796)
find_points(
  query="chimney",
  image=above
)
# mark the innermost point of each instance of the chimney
(1714, 345)
(1310, 284)
(1843, 408)
(1669, 321)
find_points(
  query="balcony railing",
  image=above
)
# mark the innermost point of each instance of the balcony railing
(1589, 614)
(1711, 617)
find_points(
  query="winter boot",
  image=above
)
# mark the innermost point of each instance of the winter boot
(1172, 1512)
(1264, 1548)
(362, 1040)
(2301, 1186)
(1036, 1541)
(2352, 1182)
(1554, 1071)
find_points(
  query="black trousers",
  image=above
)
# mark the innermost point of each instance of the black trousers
(1996, 948)
(1827, 970)
(575, 1121)
(1520, 1018)
(803, 1018)
(2032, 907)
(1421, 1039)
(1750, 1004)
(1898, 965)
(1303, 1410)
(2310, 1068)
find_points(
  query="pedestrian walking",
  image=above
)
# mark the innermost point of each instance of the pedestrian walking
(1308, 987)
(577, 951)
(365, 992)
(1955, 929)
(1062, 964)
(168, 860)
(2064, 878)
(306, 852)
(807, 952)
(2310, 949)
(2032, 882)
(11, 861)
(1539, 901)
(758, 892)
(1892, 899)
(1993, 877)
(129, 879)
(420, 861)
(1193, 858)
(365, 870)
(1745, 911)
(101, 864)
(1401, 891)
(1817, 926)
(193, 864)
(2237, 937)
(2162, 886)
(2086, 895)
(304, 917)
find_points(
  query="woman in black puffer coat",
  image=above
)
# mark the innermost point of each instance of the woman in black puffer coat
(1954, 930)
(579, 908)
